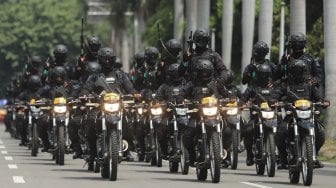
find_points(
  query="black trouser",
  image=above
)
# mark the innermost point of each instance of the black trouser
(75, 124)
(247, 133)
(128, 132)
(189, 135)
(92, 127)
(44, 125)
(162, 133)
(7, 121)
(140, 134)
(22, 125)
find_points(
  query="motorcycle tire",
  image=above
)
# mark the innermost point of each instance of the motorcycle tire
(113, 154)
(307, 160)
(34, 141)
(234, 149)
(215, 157)
(61, 145)
(184, 159)
(270, 155)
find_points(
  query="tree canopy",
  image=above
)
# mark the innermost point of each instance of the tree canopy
(33, 27)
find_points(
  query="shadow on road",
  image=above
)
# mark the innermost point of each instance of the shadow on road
(72, 170)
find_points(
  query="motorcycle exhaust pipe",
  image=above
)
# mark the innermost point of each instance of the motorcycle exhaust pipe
(124, 145)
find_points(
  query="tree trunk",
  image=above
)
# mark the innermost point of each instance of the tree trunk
(139, 27)
(227, 27)
(178, 19)
(125, 51)
(297, 16)
(203, 13)
(247, 31)
(265, 23)
(329, 7)
(282, 31)
(191, 16)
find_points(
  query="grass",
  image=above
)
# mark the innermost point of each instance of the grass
(328, 151)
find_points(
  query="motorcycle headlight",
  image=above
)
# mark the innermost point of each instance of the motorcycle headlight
(209, 111)
(303, 114)
(34, 109)
(156, 111)
(232, 111)
(140, 111)
(60, 109)
(111, 107)
(181, 111)
(267, 115)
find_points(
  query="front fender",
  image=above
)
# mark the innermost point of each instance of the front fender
(306, 126)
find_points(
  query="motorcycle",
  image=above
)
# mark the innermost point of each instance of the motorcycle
(109, 140)
(34, 114)
(209, 150)
(153, 148)
(176, 149)
(140, 125)
(230, 113)
(301, 139)
(265, 128)
(59, 134)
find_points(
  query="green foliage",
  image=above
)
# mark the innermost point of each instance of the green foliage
(165, 17)
(34, 27)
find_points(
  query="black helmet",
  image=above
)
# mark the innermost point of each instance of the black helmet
(201, 37)
(93, 45)
(60, 53)
(173, 48)
(58, 75)
(230, 76)
(139, 59)
(263, 74)
(35, 63)
(173, 72)
(118, 64)
(296, 70)
(260, 50)
(151, 55)
(106, 58)
(297, 41)
(204, 70)
(34, 82)
(93, 67)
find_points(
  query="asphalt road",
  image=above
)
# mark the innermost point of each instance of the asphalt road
(19, 169)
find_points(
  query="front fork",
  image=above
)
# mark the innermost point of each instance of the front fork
(205, 140)
(105, 136)
(177, 146)
(66, 131)
(297, 141)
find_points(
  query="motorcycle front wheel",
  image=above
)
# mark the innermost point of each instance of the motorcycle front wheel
(113, 154)
(34, 141)
(270, 155)
(307, 160)
(215, 157)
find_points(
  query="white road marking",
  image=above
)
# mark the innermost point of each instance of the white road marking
(12, 166)
(18, 179)
(4, 152)
(255, 185)
(8, 158)
(2, 147)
